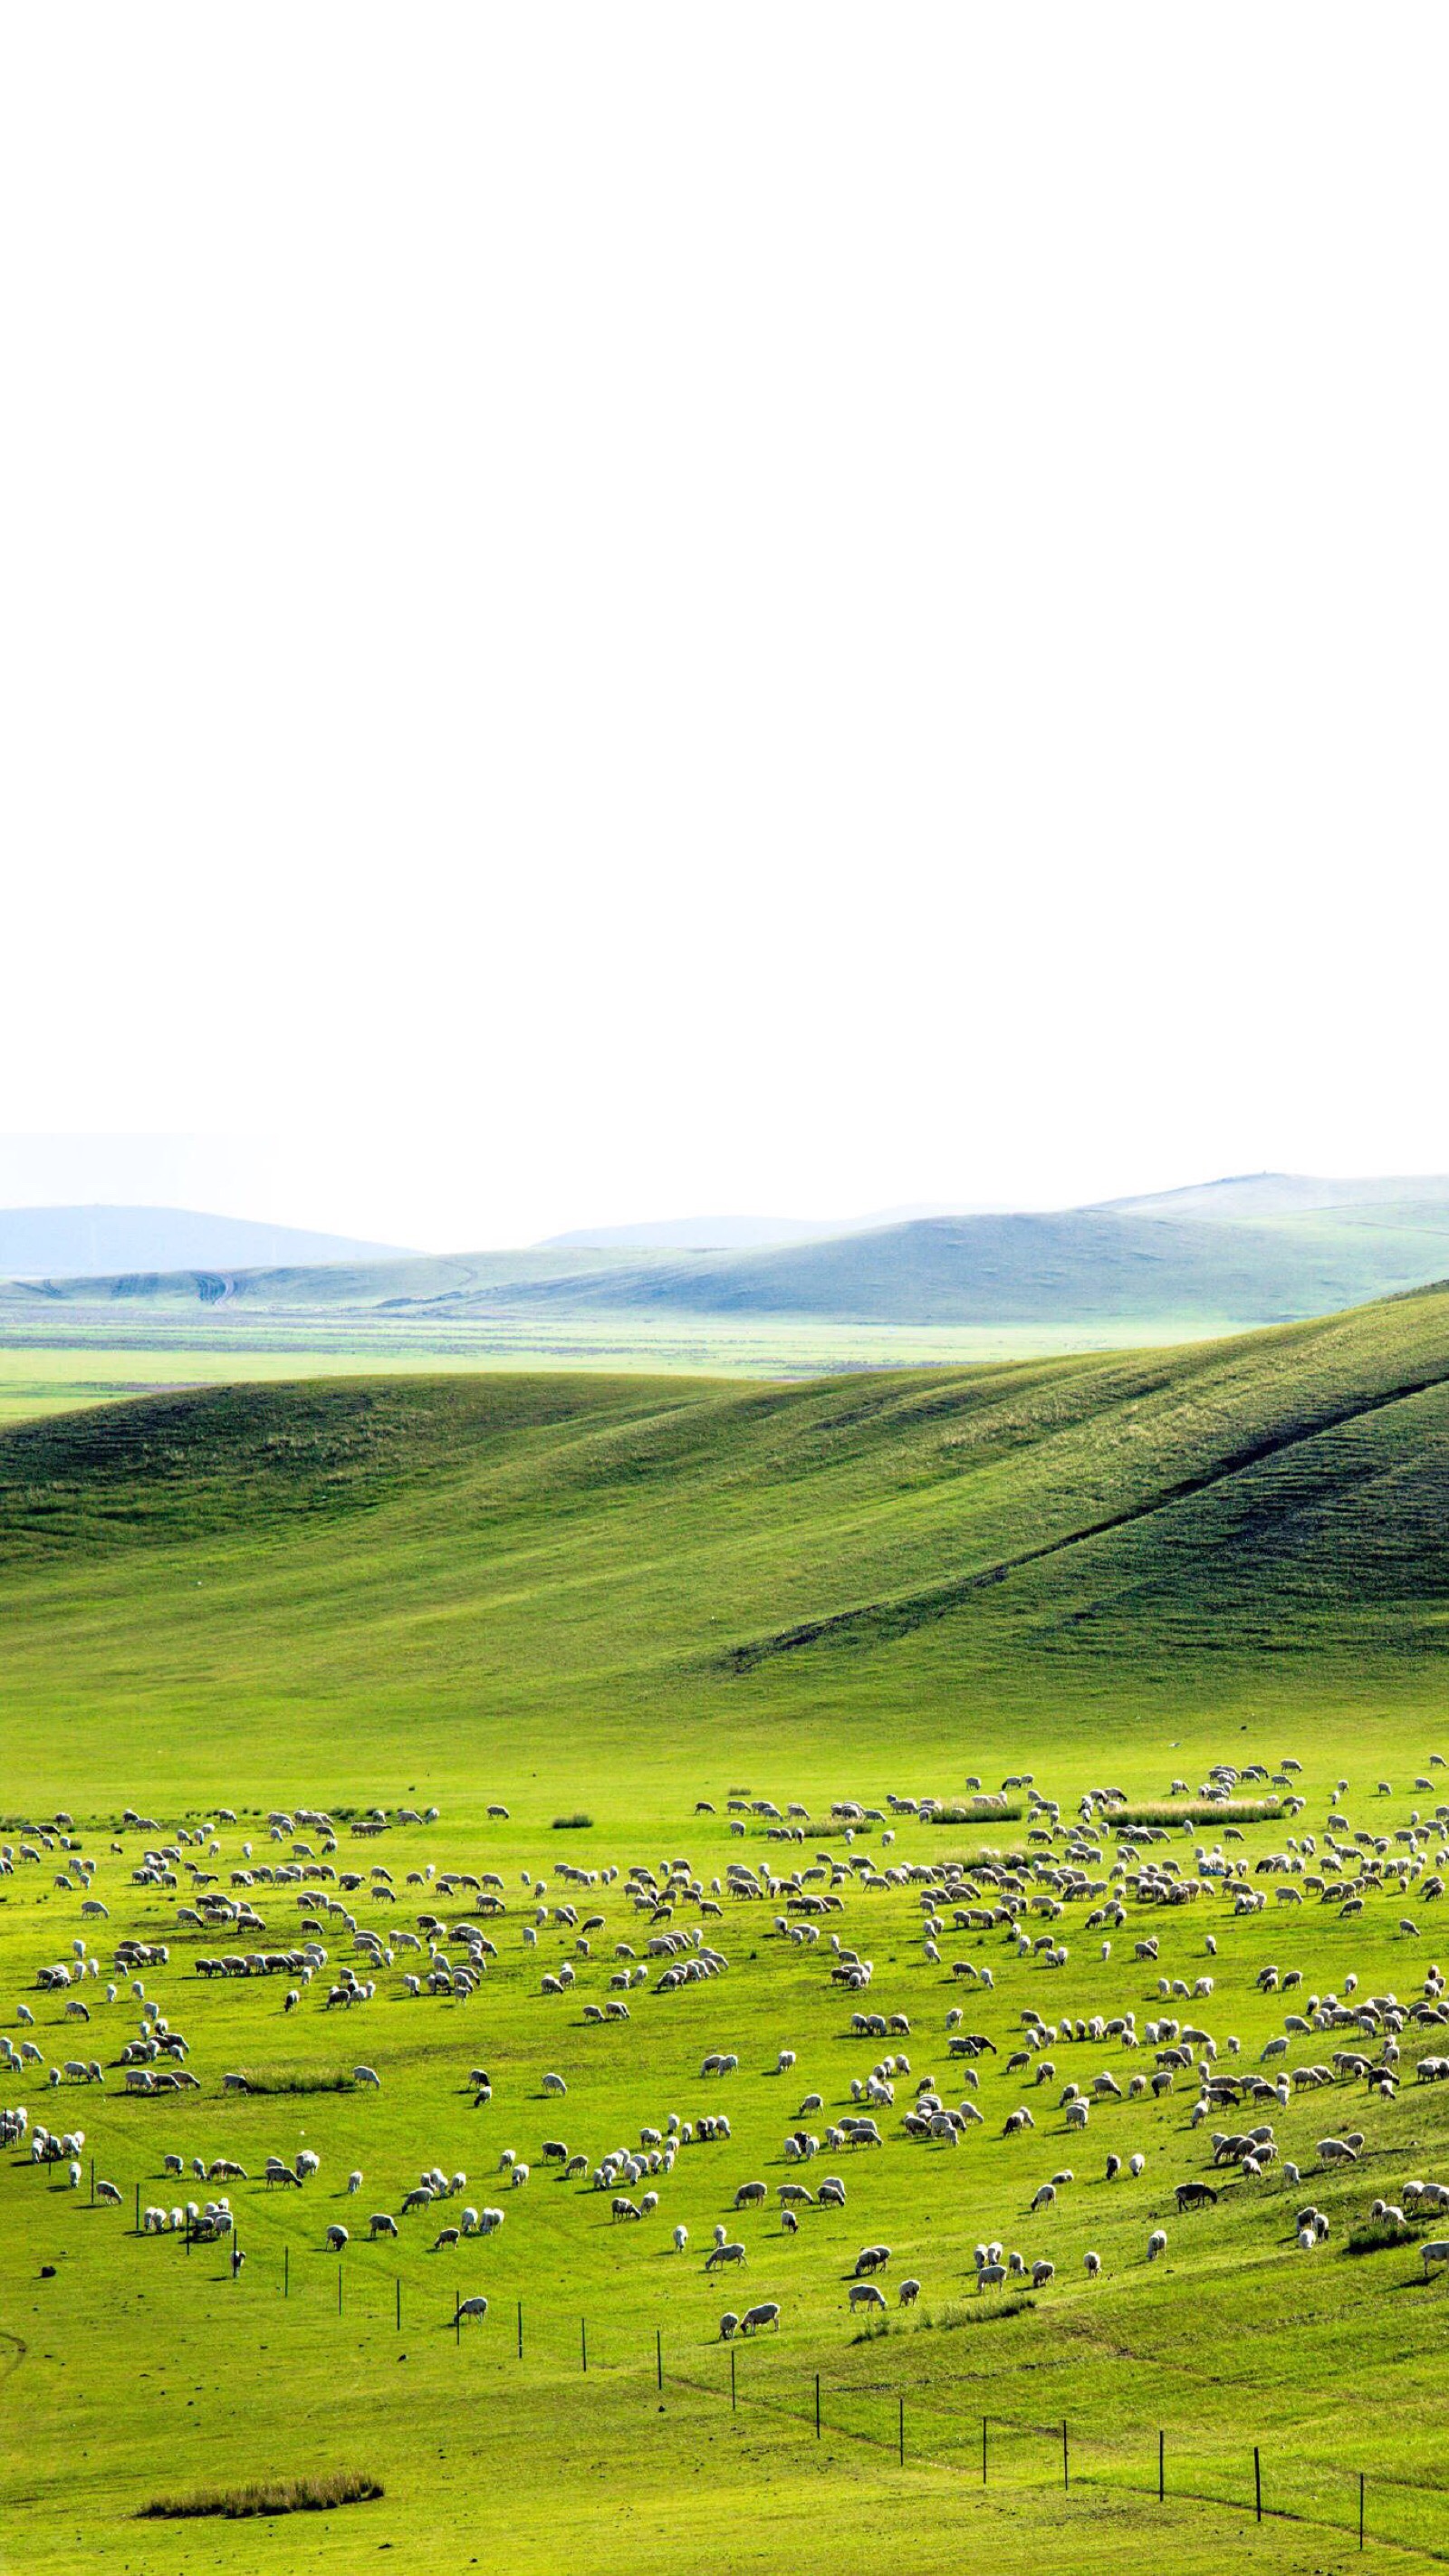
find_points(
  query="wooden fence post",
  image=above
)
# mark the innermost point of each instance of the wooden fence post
(1161, 2465)
(1257, 2482)
(817, 2405)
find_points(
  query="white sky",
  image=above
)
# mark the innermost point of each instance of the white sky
(623, 610)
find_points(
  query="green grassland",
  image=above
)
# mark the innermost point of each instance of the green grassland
(102, 1356)
(622, 1596)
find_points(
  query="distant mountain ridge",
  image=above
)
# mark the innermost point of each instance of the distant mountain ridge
(1260, 1249)
(1258, 1195)
(736, 1233)
(100, 1242)
(1082, 1264)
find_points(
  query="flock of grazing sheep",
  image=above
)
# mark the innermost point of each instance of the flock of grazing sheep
(290, 1898)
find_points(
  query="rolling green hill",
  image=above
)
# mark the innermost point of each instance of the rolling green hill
(490, 1549)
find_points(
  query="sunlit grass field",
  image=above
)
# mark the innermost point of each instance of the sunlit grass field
(622, 1597)
(101, 1358)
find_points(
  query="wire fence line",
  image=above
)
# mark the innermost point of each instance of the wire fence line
(1002, 2452)
(1017, 2455)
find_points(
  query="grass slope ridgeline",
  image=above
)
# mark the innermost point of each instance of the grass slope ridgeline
(1204, 1589)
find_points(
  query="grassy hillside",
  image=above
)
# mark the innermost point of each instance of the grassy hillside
(615, 1598)
(476, 1551)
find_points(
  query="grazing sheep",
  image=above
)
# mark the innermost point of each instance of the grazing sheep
(354, 2182)
(725, 2254)
(336, 2238)
(380, 2224)
(367, 2075)
(554, 2084)
(446, 2236)
(1436, 2250)
(766, 2314)
(1093, 2263)
(728, 2325)
(475, 2307)
(1041, 2273)
(681, 2239)
(908, 2293)
(1156, 2244)
(520, 2176)
(107, 2192)
(864, 2294)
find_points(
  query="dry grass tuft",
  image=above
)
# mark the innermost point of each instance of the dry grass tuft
(266, 2495)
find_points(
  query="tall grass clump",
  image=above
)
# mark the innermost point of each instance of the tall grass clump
(571, 1824)
(979, 2312)
(973, 1811)
(266, 2495)
(1377, 2235)
(1192, 1811)
(296, 2079)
